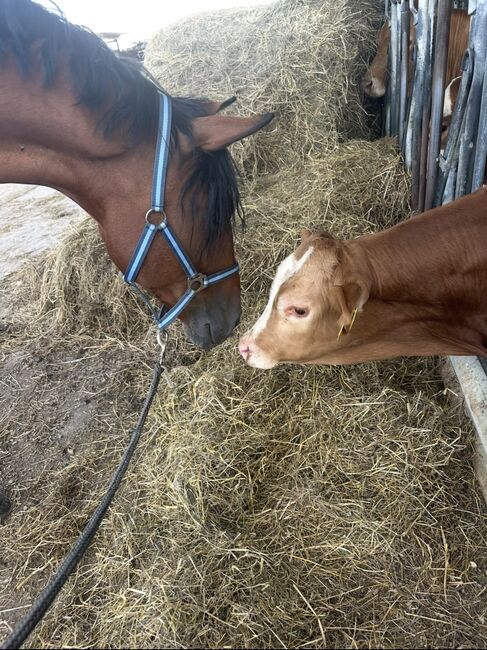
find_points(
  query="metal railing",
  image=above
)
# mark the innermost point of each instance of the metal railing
(414, 101)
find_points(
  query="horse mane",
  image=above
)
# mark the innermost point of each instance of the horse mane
(122, 93)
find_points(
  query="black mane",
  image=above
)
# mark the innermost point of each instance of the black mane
(121, 92)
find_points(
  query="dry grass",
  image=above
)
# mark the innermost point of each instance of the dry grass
(303, 507)
(300, 59)
(81, 292)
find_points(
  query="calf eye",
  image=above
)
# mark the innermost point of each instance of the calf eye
(296, 312)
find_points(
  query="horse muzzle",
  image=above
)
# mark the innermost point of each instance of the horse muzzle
(209, 320)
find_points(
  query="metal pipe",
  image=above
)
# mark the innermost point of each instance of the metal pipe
(408, 135)
(425, 132)
(394, 51)
(437, 94)
(386, 111)
(448, 193)
(404, 69)
(448, 162)
(468, 139)
(420, 102)
(481, 142)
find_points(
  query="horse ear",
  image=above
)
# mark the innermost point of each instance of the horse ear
(212, 108)
(216, 132)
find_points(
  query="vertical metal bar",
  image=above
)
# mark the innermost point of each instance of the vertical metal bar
(449, 192)
(449, 160)
(394, 50)
(404, 69)
(437, 93)
(419, 206)
(420, 98)
(479, 165)
(408, 136)
(468, 139)
(479, 168)
(387, 114)
(386, 122)
(425, 133)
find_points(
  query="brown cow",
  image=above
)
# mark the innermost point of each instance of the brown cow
(418, 288)
(374, 80)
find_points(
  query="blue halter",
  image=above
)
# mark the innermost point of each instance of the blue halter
(196, 281)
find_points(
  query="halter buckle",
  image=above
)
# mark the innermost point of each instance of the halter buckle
(197, 282)
(152, 211)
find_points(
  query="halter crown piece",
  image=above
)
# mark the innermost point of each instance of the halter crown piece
(196, 281)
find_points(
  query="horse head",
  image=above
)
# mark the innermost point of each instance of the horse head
(76, 117)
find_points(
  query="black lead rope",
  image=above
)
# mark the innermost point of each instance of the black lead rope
(45, 599)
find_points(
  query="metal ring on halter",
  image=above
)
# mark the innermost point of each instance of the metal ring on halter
(162, 342)
(197, 282)
(150, 211)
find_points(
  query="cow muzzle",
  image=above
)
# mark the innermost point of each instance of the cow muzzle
(373, 85)
(254, 355)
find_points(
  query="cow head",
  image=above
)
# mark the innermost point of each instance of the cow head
(375, 78)
(313, 301)
(374, 81)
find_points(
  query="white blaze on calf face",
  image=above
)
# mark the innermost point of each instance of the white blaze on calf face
(248, 347)
(286, 269)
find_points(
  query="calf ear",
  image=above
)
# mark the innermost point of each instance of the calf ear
(352, 296)
(216, 132)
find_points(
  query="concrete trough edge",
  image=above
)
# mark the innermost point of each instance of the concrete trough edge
(473, 382)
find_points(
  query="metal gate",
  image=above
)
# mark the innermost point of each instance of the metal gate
(414, 101)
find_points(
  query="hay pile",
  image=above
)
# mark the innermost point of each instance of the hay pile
(300, 59)
(303, 507)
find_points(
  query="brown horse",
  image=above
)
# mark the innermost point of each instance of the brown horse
(76, 117)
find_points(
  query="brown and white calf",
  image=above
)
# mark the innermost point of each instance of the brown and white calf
(416, 289)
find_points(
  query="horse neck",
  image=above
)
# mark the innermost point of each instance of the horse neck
(47, 138)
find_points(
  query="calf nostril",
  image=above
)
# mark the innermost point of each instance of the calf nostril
(244, 349)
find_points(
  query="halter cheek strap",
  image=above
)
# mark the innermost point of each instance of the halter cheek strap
(196, 281)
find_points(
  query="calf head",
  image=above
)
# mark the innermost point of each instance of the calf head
(374, 81)
(375, 78)
(313, 301)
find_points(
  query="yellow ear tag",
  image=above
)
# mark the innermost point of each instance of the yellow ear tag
(354, 314)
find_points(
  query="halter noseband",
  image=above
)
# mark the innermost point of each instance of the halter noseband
(196, 281)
